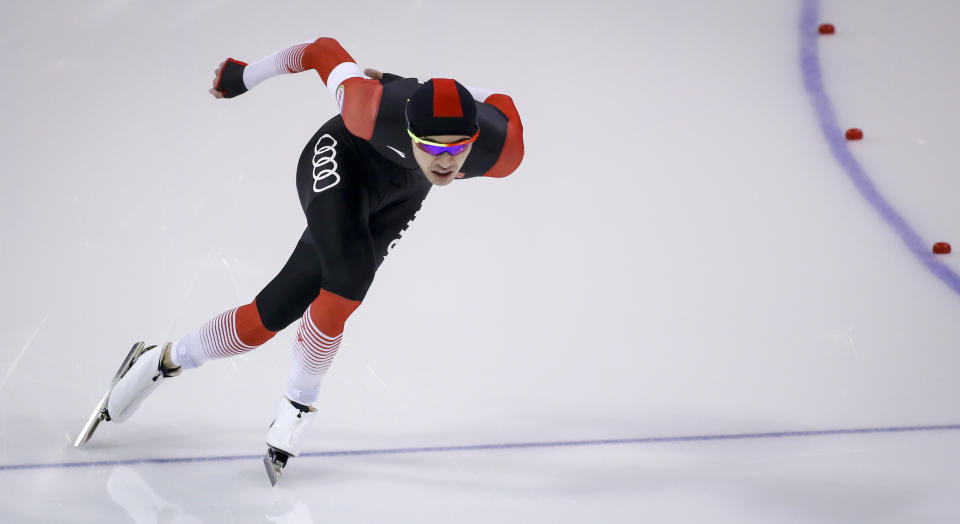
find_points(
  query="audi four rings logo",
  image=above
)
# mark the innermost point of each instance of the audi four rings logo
(325, 173)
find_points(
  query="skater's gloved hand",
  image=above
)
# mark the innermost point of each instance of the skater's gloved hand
(382, 77)
(228, 79)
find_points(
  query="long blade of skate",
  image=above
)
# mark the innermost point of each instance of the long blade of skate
(274, 461)
(99, 413)
(98, 416)
(273, 470)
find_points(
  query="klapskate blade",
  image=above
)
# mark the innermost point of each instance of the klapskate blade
(132, 355)
(99, 413)
(95, 419)
(273, 469)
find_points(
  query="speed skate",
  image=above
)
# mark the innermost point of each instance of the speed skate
(141, 372)
(100, 412)
(285, 436)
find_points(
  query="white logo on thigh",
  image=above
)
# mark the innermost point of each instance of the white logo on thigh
(393, 244)
(325, 173)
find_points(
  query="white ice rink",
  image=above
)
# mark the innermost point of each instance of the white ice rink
(689, 249)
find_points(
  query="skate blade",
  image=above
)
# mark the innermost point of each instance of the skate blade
(99, 415)
(100, 412)
(273, 470)
(274, 461)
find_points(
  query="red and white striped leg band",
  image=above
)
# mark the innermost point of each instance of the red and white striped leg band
(318, 338)
(230, 333)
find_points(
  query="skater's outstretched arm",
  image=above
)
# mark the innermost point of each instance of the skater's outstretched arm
(324, 55)
(337, 69)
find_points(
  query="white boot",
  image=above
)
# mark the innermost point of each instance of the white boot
(146, 375)
(287, 429)
(285, 436)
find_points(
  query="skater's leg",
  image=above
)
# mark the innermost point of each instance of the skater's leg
(318, 339)
(321, 328)
(338, 229)
(345, 248)
(230, 333)
(337, 214)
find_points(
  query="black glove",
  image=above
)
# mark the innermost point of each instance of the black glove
(389, 77)
(230, 82)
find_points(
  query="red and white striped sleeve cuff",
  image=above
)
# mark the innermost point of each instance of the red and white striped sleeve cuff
(284, 61)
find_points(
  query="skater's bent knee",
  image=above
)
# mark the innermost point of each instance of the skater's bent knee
(250, 328)
(330, 311)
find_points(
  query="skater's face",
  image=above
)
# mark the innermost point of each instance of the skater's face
(442, 169)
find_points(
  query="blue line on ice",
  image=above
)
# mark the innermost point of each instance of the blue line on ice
(483, 447)
(813, 81)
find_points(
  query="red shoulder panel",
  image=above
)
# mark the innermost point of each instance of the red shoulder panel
(512, 153)
(359, 105)
(323, 55)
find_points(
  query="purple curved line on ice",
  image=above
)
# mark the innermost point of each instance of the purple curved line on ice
(813, 81)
